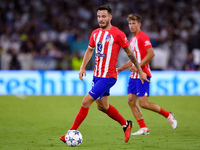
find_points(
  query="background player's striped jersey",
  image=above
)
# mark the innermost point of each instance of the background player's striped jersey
(139, 44)
(107, 45)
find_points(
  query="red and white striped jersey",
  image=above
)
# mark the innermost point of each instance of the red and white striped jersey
(139, 44)
(107, 45)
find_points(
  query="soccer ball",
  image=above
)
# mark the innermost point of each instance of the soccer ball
(73, 138)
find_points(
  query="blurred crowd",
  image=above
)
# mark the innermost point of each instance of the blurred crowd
(37, 34)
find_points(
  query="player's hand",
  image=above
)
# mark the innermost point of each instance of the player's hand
(82, 73)
(133, 69)
(119, 70)
(143, 76)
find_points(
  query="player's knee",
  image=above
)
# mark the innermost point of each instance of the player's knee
(131, 102)
(86, 102)
(101, 108)
(143, 104)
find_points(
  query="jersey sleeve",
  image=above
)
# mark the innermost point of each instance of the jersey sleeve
(123, 40)
(92, 40)
(146, 43)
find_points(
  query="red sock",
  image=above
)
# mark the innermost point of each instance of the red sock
(113, 113)
(141, 123)
(79, 118)
(164, 112)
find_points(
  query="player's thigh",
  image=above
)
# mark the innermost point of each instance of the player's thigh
(143, 101)
(142, 88)
(132, 86)
(132, 98)
(101, 87)
(87, 101)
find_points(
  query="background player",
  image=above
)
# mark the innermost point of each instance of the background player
(141, 46)
(106, 41)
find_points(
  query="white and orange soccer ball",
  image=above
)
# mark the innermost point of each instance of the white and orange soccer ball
(73, 138)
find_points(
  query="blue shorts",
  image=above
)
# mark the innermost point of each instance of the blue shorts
(101, 87)
(136, 87)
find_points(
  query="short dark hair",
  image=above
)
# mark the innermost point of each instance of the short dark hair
(105, 7)
(134, 17)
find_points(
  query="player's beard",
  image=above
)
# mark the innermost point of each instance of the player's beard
(104, 26)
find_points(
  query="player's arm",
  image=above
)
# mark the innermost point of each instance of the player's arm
(150, 54)
(87, 57)
(125, 66)
(133, 59)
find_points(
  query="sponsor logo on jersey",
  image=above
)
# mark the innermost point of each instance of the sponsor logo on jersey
(125, 40)
(100, 55)
(146, 43)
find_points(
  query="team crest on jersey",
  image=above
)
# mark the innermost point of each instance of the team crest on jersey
(134, 43)
(108, 38)
(99, 47)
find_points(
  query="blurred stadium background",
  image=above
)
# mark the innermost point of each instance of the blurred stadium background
(41, 47)
(40, 35)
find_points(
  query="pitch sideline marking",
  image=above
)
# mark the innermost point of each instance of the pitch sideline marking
(21, 96)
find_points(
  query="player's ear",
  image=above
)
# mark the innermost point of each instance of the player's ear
(110, 17)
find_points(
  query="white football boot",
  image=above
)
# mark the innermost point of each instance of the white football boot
(141, 131)
(172, 120)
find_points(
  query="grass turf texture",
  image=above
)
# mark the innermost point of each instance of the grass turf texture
(37, 122)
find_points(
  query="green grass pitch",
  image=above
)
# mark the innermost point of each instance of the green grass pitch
(37, 122)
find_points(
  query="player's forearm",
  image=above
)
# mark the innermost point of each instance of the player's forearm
(133, 59)
(144, 61)
(135, 62)
(127, 65)
(148, 57)
(87, 57)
